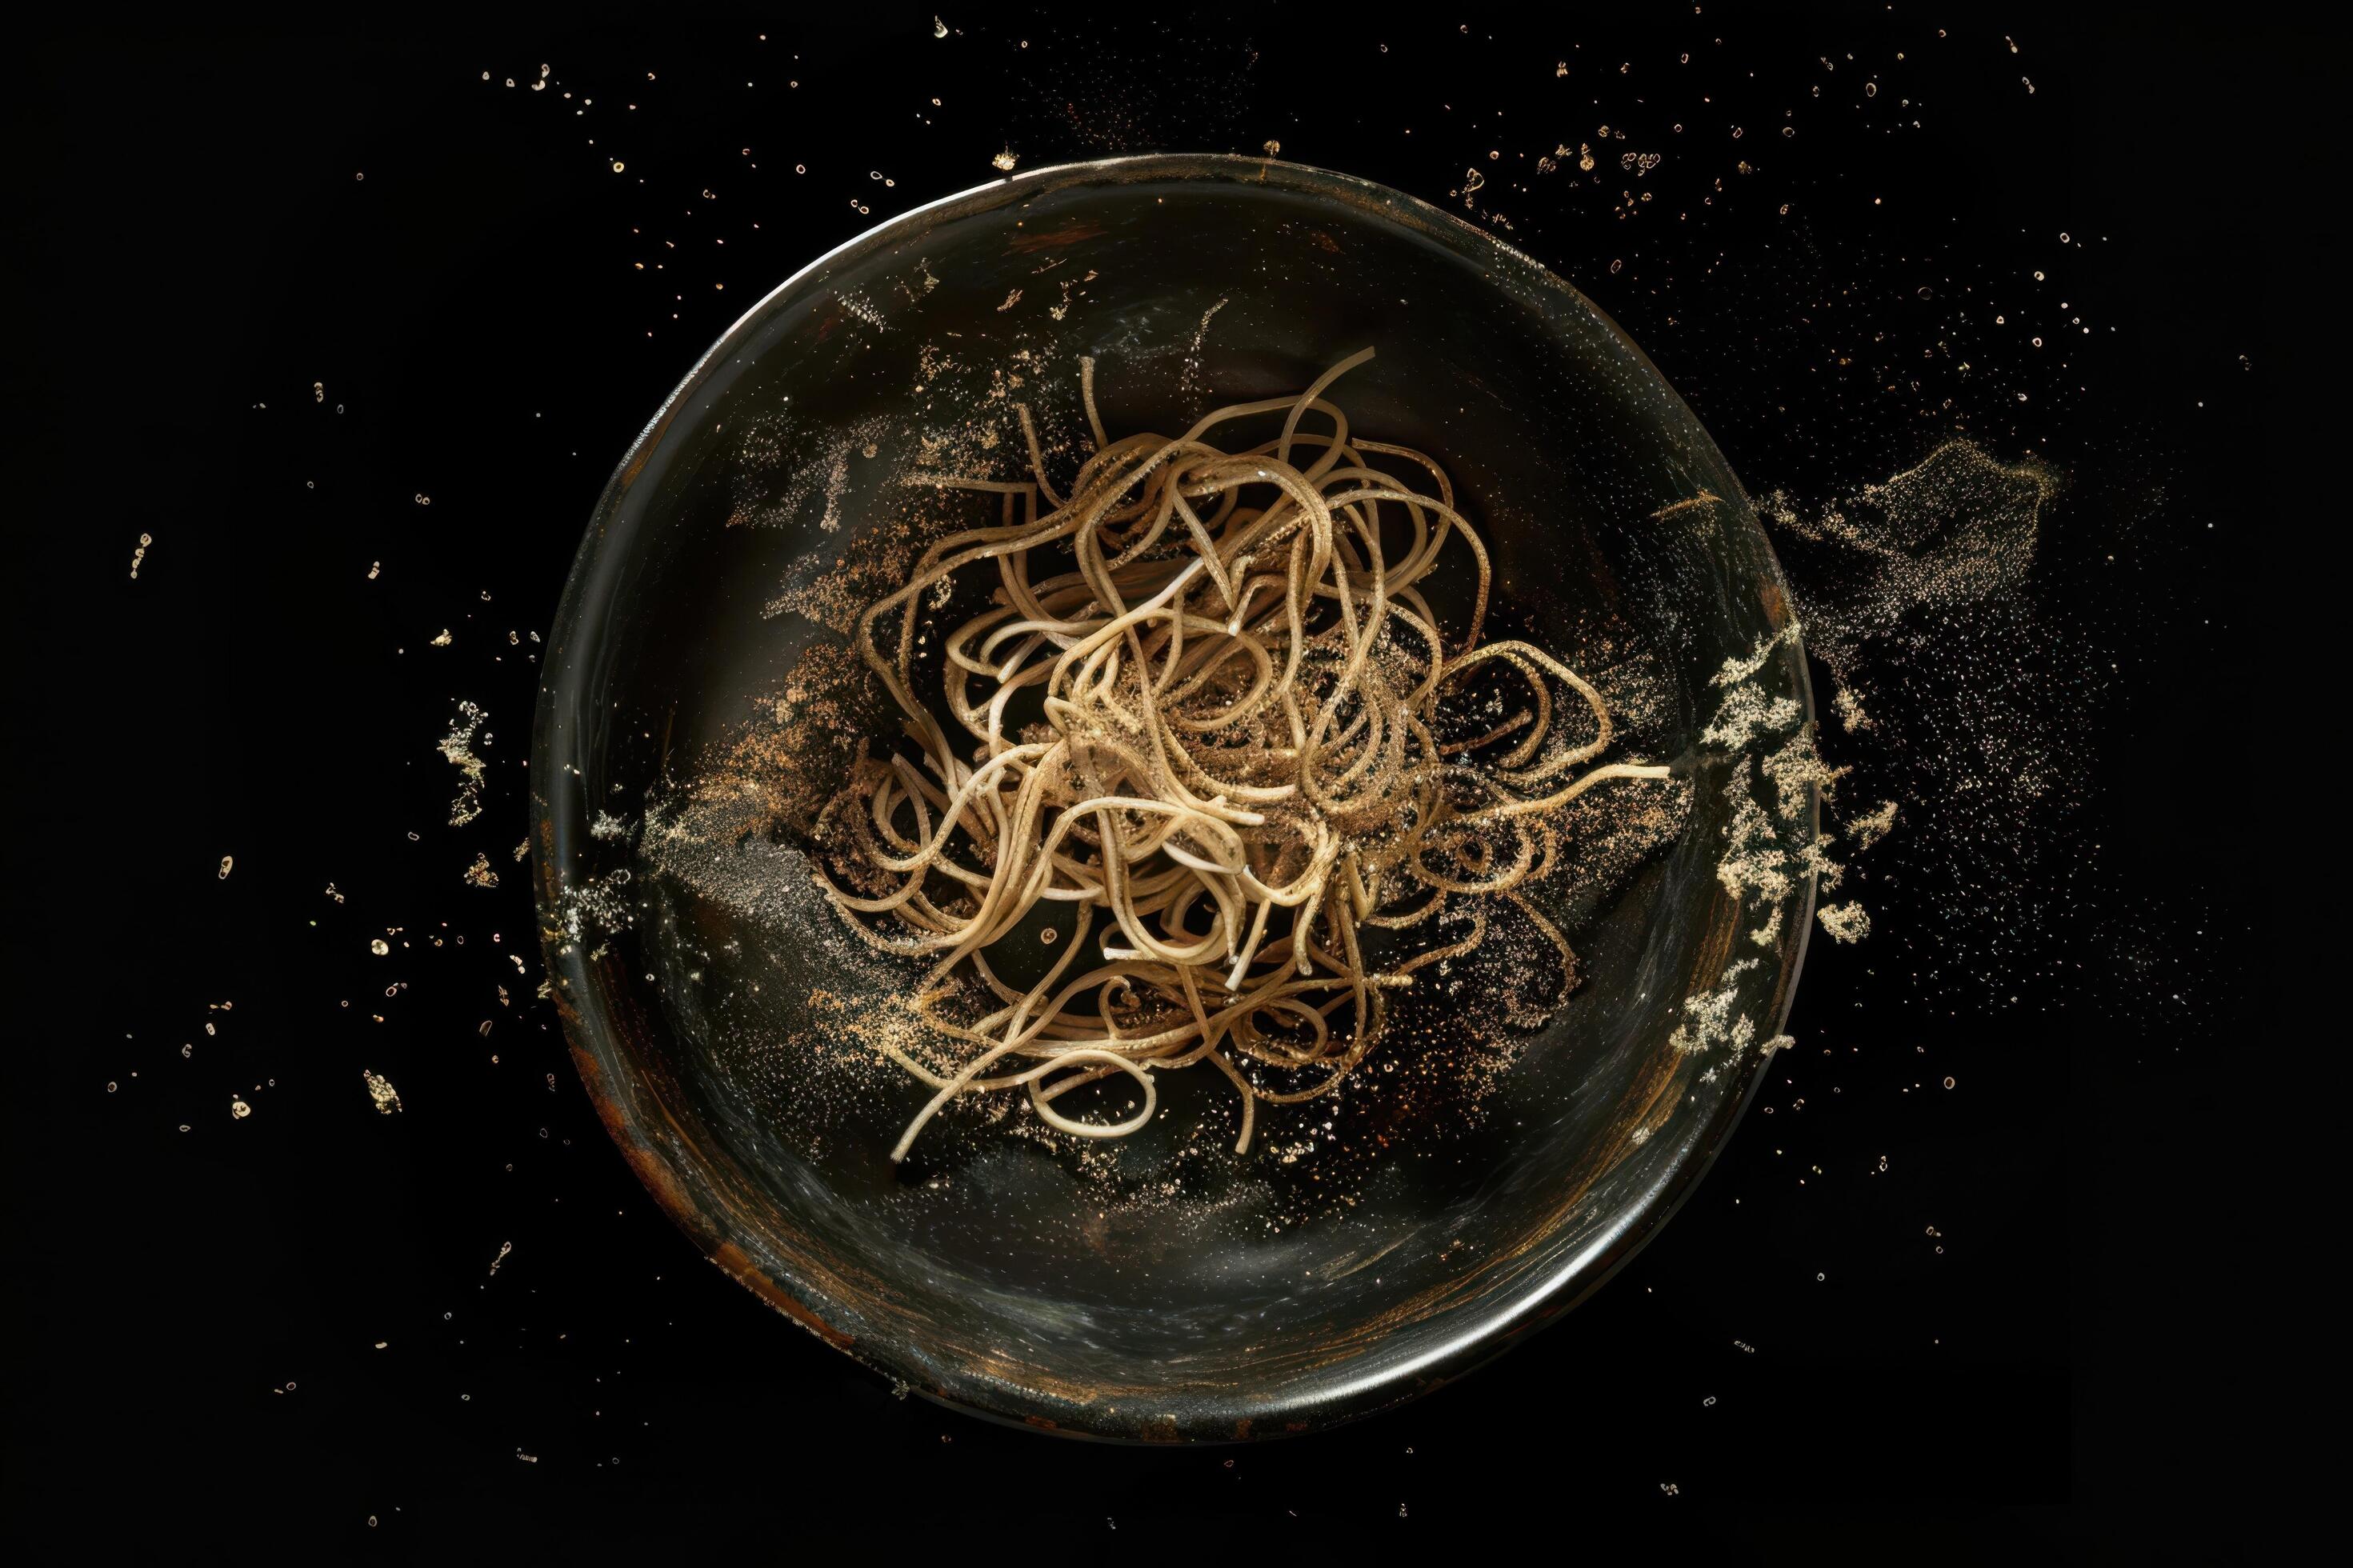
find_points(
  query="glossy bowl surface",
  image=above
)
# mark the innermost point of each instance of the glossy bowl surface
(1148, 1294)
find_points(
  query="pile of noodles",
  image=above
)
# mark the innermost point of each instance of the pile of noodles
(1244, 761)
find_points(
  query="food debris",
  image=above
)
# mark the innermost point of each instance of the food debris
(385, 1098)
(1711, 1022)
(1873, 826)
(457, 746)
(1845, 923)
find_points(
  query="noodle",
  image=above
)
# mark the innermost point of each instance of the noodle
(1237, 765)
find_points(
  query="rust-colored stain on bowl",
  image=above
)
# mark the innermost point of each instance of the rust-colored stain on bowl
(1025, 243)
(731, 1258)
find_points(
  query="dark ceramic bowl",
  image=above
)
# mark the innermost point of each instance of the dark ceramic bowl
(1193, 1299)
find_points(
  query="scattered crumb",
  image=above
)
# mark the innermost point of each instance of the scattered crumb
(1873, 826)
(385, 1098)
(1845, 923)
(457, 746)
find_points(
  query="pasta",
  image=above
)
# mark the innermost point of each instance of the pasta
(1242, 757)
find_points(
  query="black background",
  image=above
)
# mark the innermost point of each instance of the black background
(278, 284)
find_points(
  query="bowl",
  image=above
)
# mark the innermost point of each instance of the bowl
(1161, 1288)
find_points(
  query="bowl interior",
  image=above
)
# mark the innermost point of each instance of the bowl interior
(1158, 1287)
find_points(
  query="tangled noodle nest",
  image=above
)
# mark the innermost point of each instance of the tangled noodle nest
(1244, 760)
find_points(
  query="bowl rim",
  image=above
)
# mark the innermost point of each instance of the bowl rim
(1492, 1328)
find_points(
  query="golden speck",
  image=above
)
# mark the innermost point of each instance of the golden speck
(385, 1098)
(239, 1108)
